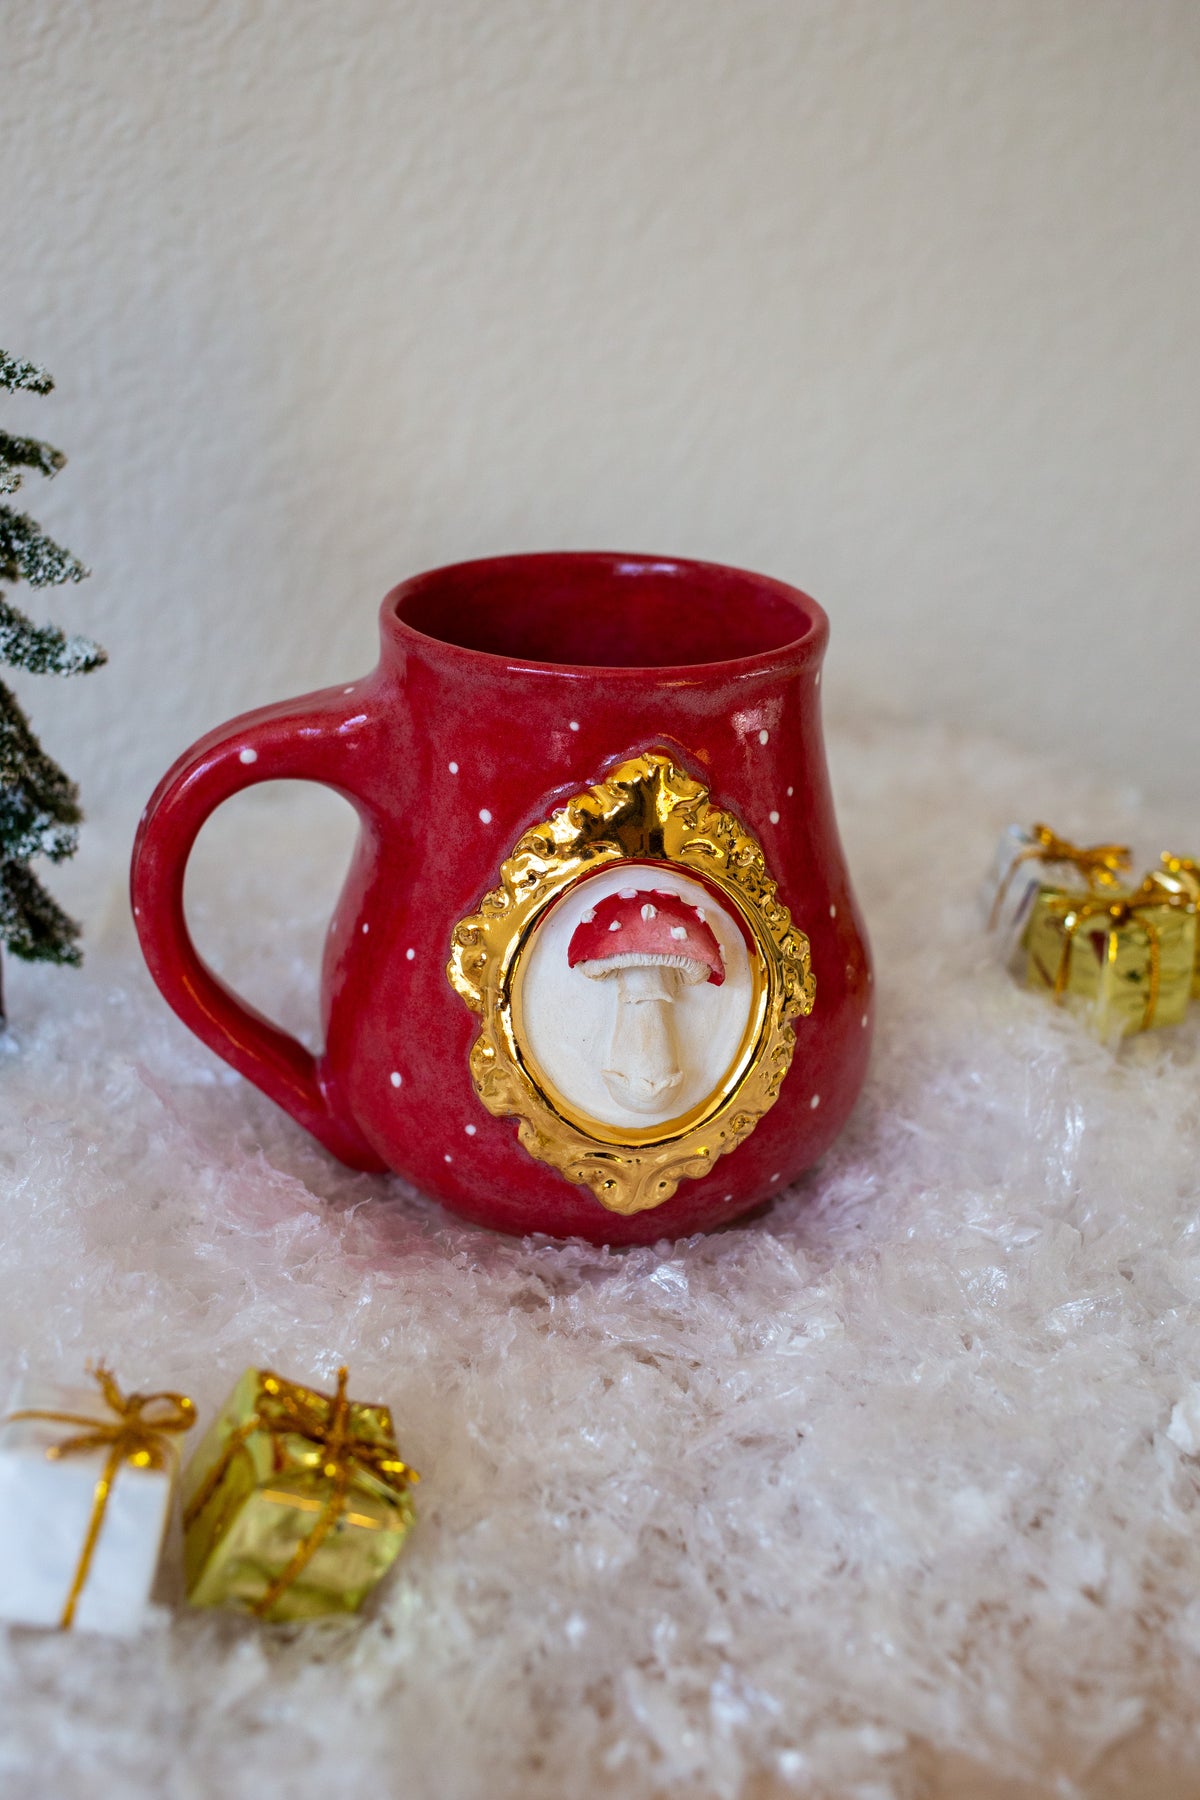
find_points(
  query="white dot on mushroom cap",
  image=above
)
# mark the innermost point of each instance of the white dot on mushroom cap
(764, 737)
(728, 1198)
(649, 912)
(470, 1130)
(775, 1177)
(395, 1078)
(366, 928)
(791, 791)
(447, 1157)
(679, 931)
(485, 815)
(573, 724)
(700, 914)
(626, 893)
(453, 768)
(774, 818)
(817, 682)
(615, 926)
(409, 955)
(815, 1102)
(247, 756)
(864, 1021)
(833, 912)
(348, 690)
(589, 915)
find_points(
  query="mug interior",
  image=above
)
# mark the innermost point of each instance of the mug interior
(604, 611)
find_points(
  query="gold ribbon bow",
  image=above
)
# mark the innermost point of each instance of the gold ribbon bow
(1119, 913)
(284, 1409)
(137, 1434)
(1186, 866)
(1099, 864)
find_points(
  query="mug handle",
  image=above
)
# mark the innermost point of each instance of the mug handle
(321, 737)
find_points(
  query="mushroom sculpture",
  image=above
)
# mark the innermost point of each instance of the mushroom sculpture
(650, 945)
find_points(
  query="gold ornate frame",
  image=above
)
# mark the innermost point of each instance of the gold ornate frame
(649, 810)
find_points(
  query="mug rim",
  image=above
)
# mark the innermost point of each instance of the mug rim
(804, 650)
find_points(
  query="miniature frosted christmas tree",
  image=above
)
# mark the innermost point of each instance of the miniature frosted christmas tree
(39, 804)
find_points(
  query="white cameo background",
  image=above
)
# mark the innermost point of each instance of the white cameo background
(568, 1020)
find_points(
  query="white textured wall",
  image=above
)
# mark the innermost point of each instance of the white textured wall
(895, 298)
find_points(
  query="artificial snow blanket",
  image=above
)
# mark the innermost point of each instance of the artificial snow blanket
(889, 1491)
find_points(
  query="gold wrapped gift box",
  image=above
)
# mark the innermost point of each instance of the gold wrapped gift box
(1182, 873)
(1130, 958)
(296, 1503)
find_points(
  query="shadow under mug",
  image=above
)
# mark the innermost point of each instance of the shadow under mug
(596, 968)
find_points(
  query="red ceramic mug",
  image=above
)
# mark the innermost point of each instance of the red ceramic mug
(596, 968)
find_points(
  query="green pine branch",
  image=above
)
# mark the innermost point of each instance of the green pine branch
(44, 649)
(39, 804)
(32, 924)
(28, 554)
(15, 374)
(20, 453)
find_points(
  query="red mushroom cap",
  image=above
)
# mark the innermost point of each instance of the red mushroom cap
(637, 924)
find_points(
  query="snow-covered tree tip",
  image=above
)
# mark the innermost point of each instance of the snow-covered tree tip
(28, 554)
(14, 374)
(44, 649)
(20, 453)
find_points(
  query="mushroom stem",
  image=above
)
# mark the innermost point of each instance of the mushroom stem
(643, 1067)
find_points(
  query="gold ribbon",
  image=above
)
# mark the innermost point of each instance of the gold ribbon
(1099, 864)
(1118, 914)
(1185, 866)
(284, 1409)
(137, 1434)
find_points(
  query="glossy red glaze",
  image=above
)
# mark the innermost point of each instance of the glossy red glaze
(505, 686)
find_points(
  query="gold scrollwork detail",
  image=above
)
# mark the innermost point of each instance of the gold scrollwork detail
(650, 811)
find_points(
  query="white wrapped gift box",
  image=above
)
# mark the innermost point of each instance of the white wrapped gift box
(46, 1507)
(1012, 885)
(1016, 878)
